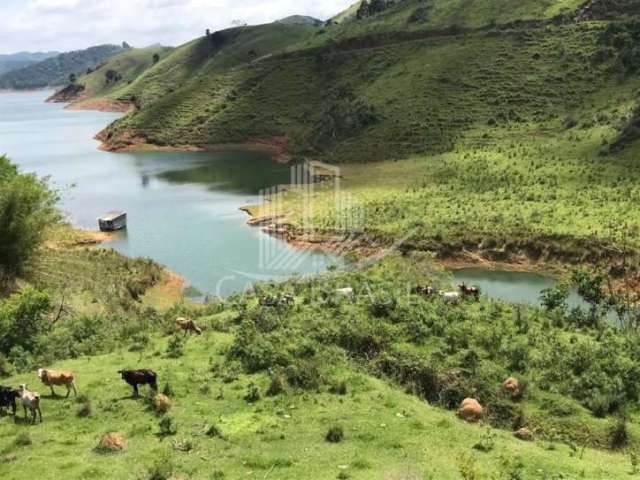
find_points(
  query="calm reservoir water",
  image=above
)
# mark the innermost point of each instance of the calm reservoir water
(183, 208)
(511, 286)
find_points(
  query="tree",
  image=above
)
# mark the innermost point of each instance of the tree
(112, 75)
(208, 32)
(23, 319)
(27, 208)
(156, 58)
(72, 78)
(126, 46)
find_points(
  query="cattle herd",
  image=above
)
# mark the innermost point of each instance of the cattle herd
(30, 400)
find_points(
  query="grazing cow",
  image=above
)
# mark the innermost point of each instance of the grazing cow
(470, 410)
(8, 398)
(30, 400)
(450, 297)
(469, 291)
(423, 290)
(139, 377)
(188, 325)
(58, 378)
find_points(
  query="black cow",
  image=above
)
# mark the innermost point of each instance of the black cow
(8, 398)
(140, 377)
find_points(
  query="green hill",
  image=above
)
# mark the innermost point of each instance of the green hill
(56, 70)
(111, 77)
(464, 87)
(260, 391)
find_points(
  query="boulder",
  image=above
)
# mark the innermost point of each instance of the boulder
(524, 434)
(111, 442)
(470, 410)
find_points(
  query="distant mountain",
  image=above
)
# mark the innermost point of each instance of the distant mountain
(55, 70)
(27, 56)
(16, 61)
(300, 20)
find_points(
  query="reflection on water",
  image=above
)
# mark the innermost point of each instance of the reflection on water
(183, 208)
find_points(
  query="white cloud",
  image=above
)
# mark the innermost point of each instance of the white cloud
(74, 24)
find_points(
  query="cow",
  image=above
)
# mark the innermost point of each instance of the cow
(188, 325)
(58, 377)
(423, 290)
(346, 292)
(31, 401)
(140, 377)
(469, 291)
(450, 297)
(8, 398)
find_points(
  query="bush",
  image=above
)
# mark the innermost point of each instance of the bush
(335, 435)
(27, 208)
(304, 374)
(6, 369)
(618, 434)
(338, 388)
(213, 431)
(276, 386)
(162, 469)
(84, 406)
(175, 348)
(253, 394)
(167, 427)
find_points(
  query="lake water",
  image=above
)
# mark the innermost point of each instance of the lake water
(512, 286)
(183, 208)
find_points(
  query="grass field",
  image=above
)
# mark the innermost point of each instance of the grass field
(390, 431)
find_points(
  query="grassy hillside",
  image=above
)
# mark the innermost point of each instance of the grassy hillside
(257, 394)
(504, 123)
(113, 76)
(56, 70)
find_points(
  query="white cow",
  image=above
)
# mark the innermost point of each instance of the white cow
(450, 297)
(30, 400)
(345, 292)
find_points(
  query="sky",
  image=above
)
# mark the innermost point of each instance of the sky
(63, 25)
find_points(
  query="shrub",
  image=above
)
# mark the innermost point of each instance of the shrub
(618, 434)
(338, 388)
(276, 386)
(253, 394)
(27, 208)
(559, 407)
(175, 348)
(304, 374)
(487, 441)
(167, 427)
(84, 406)
(6, 369)
(335, 435)
(162, 469)
(213, 431)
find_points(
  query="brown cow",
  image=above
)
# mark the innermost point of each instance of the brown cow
(470, 410)
(188, 325)
(58, 378)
